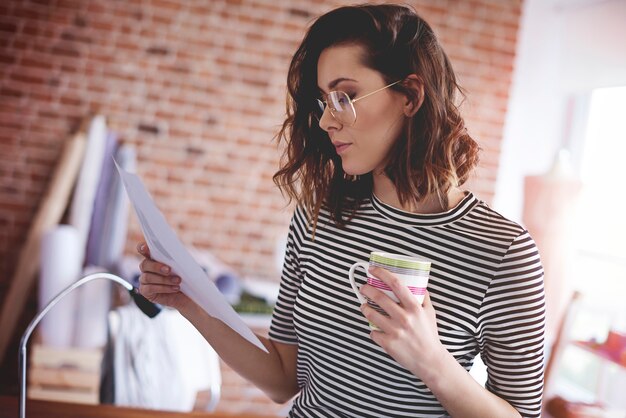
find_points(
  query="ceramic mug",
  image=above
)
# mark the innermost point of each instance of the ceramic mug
(413, 272)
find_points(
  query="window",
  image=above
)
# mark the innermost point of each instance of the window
(598, 266)
(600, 238)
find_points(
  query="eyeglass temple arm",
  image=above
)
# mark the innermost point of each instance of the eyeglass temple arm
(376, 91)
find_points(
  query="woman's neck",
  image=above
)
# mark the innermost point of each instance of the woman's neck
(385, 191)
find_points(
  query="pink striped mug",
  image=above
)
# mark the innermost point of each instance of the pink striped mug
(413, 272)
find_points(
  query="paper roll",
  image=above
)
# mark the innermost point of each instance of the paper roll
(101, 202)
(81, 208)
(92, 307)
(60, 267)
(115, 223)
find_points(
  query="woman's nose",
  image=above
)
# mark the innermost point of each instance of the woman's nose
(328, 121)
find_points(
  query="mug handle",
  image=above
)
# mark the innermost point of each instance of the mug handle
(365, 266)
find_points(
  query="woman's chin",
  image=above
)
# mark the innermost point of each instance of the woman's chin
(355, 171)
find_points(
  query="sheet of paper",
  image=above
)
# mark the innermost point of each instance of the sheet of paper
(166, 248)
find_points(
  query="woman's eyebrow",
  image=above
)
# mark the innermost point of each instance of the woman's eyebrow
(334, 83)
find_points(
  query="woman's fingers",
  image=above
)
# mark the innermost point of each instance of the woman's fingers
(151, 278)
(399, 314)
(152, 285)
(402, 292)
(148, 265)
(151, 266)
(155, 289)
(427, 304)
(374, 317)
(142, 248)
(157, 282)
(379, 298)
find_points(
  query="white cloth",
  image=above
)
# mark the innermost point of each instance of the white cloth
(160, 363)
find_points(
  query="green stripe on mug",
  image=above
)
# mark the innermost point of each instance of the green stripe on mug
(399, 261)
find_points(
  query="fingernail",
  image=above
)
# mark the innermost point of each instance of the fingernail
(141, 247)
(165, 269)
(176, 279)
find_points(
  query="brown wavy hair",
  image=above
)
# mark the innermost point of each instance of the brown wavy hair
(434, 152)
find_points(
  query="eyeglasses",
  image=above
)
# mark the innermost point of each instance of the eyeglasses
(342, 106)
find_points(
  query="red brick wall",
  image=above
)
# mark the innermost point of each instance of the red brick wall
(198, 87)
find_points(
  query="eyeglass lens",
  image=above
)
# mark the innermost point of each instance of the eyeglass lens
(340, 107)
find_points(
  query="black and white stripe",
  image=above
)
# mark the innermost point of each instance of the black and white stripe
(486, 285)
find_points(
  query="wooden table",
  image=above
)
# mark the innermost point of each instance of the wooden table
(40, 409)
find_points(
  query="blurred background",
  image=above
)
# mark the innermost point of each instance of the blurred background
(190, 94)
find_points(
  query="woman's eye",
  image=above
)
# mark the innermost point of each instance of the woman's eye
(345, 100)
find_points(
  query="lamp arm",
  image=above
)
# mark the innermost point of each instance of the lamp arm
(31, 327)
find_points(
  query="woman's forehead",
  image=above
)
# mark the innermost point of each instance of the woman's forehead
(342, 63)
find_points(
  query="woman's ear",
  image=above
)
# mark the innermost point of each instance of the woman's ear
(415, 96)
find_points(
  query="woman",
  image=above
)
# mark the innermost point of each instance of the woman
(376, 153)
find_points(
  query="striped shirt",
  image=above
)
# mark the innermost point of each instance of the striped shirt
(486, 285)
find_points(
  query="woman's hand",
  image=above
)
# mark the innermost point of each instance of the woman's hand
(157, 284)
(409, 334)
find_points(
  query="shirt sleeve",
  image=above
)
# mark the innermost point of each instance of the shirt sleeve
(282, 327)
(511, 334)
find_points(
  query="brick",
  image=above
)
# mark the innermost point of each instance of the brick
(28, 77)
(167, 6)
(165, 20)
(11, 92)
(102, 25)
(74, 36)
(25, 12)
(37, 61)
(8, 26)
(66, 50)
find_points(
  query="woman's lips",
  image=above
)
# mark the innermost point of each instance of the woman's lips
(340, 147)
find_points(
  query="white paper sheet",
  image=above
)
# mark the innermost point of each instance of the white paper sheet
(166, 248)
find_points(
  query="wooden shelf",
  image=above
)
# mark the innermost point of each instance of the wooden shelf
(48, 409)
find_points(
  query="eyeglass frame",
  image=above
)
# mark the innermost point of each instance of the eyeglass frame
(323, 104)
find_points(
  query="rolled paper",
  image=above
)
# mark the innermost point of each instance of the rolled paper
(115, 222)
(60, 267)
(101, 202)
(82, 205)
